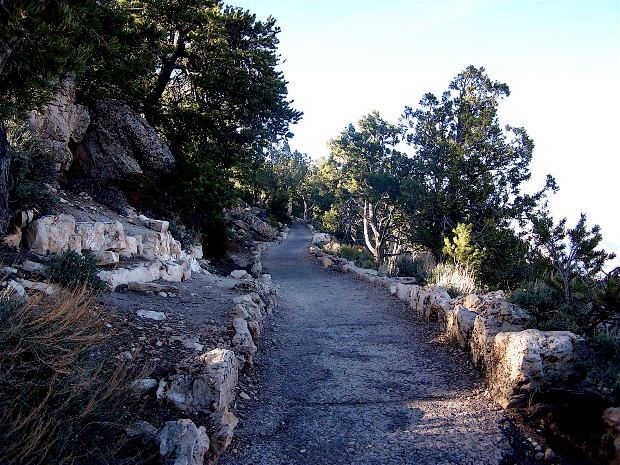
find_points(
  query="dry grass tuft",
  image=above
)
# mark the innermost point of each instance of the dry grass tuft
(58, 393)
(456, 279)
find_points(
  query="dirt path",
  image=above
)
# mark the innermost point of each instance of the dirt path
(349, 376)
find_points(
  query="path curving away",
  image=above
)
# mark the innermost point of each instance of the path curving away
(350, 376)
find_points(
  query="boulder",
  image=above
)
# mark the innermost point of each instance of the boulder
(157, 225)
(224, 423)
(195, 251)
(319, 238)
(140, 273)
(403, 291)
(208, 382)
(526, 362)
(460, 324)
(13, 239)
(431, 303)
(45, 288)
(172, 272)
(33, 267)
(495, 315)
(155, 246)
(240, 274)
(107, 257)
(255, 224)
(53, 234)
(152, 287)
(121, 146)
(182, 443)
(482, 335)
(143, 385)
(61, 123)
(131, 246)
(611, 437)
(15, 288)
(92, 234)
(242, 340)
(143, 431)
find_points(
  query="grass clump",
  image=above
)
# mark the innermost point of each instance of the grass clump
(359, 255)
(71, 269)
(59, 395)
(456, 279)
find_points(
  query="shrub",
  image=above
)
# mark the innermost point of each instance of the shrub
(462, 250)
(186, 236)
(32, 167)
(59, 396)
(603, 368)
(544, 300)
(456, 279)
(358, 254)
(70, 269)
(418, 265)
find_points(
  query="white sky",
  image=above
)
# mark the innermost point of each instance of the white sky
(561, 60)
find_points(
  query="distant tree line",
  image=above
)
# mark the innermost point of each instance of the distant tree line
(449, 179)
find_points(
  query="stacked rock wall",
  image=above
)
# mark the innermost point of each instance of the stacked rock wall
(517, 362)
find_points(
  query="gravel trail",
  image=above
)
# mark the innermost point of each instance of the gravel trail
(347, 375)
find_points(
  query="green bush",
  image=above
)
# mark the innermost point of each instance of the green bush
(32, 167)
(417, 266)
(545, 303)
(70, 269)
(358, 254)
(603, 368)
(186, 236)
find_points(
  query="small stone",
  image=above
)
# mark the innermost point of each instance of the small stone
(143, 385)
(538, 448)
(152, 315)
(243, 395)
(539, 456)
(303, 451)
(162, 294)
(240, 274)
(549, 454)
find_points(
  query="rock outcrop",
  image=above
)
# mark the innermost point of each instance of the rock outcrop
(121, 146)
(246, 220)
(61, 123)
(165, 258)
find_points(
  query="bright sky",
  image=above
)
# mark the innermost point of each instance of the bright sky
(561, 60)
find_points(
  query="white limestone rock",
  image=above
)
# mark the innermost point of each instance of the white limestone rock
(525, 362)
(240, 274)
(151, 315)
(107, 257)
(182, 443)
(53, 234)
(208, 383)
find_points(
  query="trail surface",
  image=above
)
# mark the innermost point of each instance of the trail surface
(350, 376)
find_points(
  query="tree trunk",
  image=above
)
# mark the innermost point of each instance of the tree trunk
(167, 67)
(5, 164)
(367, 220)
